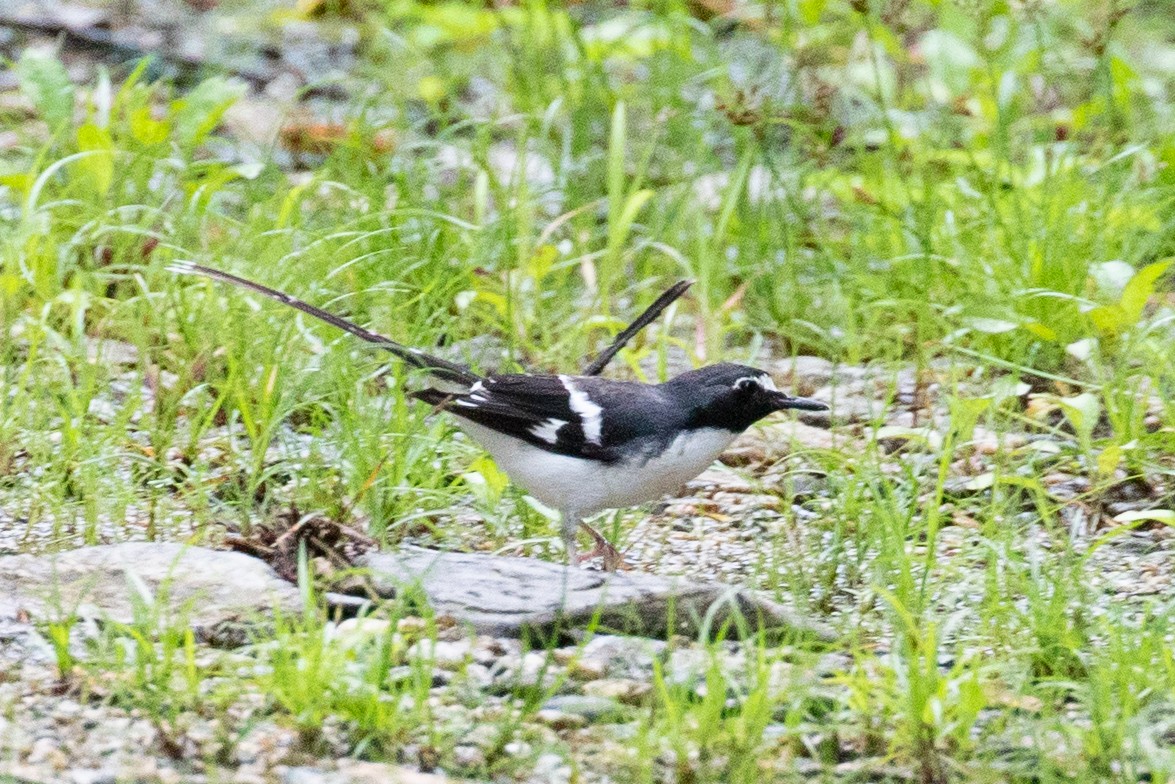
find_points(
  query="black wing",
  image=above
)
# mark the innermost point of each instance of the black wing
(441, 368)
(579, 416)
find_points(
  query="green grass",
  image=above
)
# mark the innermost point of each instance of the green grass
(982, 193)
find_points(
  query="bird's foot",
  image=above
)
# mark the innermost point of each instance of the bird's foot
(613, 558)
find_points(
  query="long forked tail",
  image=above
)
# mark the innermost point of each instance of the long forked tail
(441, 368)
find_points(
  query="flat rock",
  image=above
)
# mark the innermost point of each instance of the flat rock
(219, 594)
(503, 596)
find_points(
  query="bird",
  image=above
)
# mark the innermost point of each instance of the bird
(582, 444)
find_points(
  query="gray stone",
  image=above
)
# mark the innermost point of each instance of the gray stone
(623, 657)
(466, 756)
(508, 597)
(219, 594)
(593, 709)
(625, 690)
(93, 776)
(550, 768)
(527, 670)
(560, 720)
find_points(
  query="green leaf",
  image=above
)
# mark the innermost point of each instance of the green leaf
(1164, 516)
(98, 168)
(984, 481)
(46, 83)
(541, 261)
(145, 129)
(811, 10)
(617, 138)
(1108, 459)
(1139, 290)
(1107, 319)
(199, 112)
(1042, 331)
(632, 207)
(1082, 411)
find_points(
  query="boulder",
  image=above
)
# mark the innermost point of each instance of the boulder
(218, 594)
(507, 597)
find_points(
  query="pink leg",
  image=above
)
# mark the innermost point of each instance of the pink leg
(613, 559)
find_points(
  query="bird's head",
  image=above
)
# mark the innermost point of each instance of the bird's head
(734, 397)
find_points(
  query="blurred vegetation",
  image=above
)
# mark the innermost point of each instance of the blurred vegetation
(977, 188)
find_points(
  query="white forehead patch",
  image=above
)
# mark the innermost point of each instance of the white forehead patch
(762, 380)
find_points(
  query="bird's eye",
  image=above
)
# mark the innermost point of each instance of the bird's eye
(746, 384)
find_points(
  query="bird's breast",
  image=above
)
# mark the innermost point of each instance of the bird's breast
(583, 487)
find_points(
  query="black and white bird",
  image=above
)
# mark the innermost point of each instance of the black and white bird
(583, 444)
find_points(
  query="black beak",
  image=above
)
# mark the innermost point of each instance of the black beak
(783, 401)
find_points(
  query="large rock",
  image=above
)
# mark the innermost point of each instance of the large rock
(503, 596)
(219, 594)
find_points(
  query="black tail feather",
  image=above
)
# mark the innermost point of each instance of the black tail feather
(594, 367)
(441, 368)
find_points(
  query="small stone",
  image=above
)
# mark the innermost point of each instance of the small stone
(587, 669)
(356, 631)
(625, 690)
(560, 720)
(466, 756)
(447, 655)
(529, 669)
(550, 769)
(412, 627)
(308, 775)
(593, 709)
(623, 657)
(479, 675)
(47, 751)
(722, 478)
(502, 596)
(93, 776)
(517, 748)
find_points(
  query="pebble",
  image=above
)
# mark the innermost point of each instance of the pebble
(46, 751)
(624, 657)
(530, 669)
(446, 654)
(592, 709)
(517, 748)
(466, 756)
(93, 776)
(624, 690)
(550, 769)
(560, 720)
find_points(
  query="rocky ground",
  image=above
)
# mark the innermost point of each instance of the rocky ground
(66, 724)
(561, 710)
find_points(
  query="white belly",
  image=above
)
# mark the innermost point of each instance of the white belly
(580, 488)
